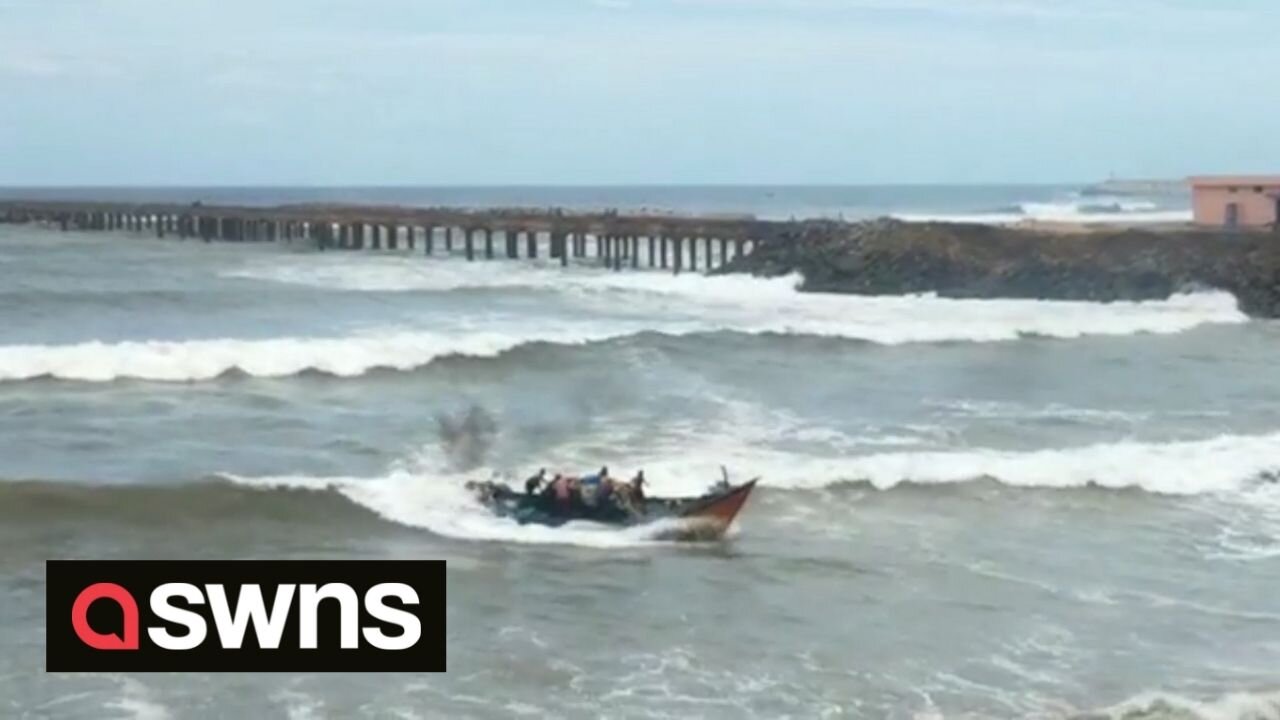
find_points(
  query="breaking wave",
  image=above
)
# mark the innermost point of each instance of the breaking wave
(748, 306)
(1076, 210)
(422, 492)
(1224, 464)
(1261, 705)
(192, 360)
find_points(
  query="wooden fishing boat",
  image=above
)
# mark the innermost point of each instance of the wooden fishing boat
(705, 516)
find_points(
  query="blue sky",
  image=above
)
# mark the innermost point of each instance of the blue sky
(634, 91)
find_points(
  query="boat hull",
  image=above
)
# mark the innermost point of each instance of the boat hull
(702, 517)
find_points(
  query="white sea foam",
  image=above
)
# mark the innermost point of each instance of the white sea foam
(1261, 705)
(644, 302)
(439, 502)
(137, 702)
(1075, 210)
(191, 360)
(1224, 464)
(419, 493)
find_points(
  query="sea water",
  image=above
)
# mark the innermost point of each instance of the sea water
(967, 508)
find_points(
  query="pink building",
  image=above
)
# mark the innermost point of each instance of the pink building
(1231, 201)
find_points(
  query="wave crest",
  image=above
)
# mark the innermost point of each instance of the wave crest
(731, 307)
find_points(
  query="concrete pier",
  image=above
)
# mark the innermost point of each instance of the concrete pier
(608, 239)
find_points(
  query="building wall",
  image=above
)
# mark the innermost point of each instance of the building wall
(1256, 209)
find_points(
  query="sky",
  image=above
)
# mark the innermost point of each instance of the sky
(571, 92)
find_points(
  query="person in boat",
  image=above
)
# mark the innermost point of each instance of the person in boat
(595, 479)
(589, 486)
(637, 487)
(533, 484)
(561, 491)
(626, 497)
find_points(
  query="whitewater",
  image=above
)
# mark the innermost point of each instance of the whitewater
(601, 306)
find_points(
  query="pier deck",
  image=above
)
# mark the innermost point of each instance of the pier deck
(615, 240)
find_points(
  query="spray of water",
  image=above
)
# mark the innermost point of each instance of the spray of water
(467, 437)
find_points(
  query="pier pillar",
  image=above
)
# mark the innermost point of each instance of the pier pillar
(159, 223)
(678, 254)
(531, 243)
(468, 237)
(737, 250)
(488, 243)
(635, 251)
(448, 240)
(560, 246)
(428, 239)
(408, 235)
(375, 236)
(357, 236)
(509, 238)
(393, 237)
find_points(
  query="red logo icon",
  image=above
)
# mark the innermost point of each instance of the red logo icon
(106, 641)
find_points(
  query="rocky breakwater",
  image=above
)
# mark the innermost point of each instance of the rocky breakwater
(984, 261)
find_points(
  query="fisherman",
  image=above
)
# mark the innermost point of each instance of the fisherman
(637, 489)
(589, 486)
(533, 484)
(562, 491)
(590, 479)
(604, 493)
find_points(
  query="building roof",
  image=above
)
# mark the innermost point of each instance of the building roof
(1234, 180)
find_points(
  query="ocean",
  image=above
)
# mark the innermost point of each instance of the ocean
(967, 508)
